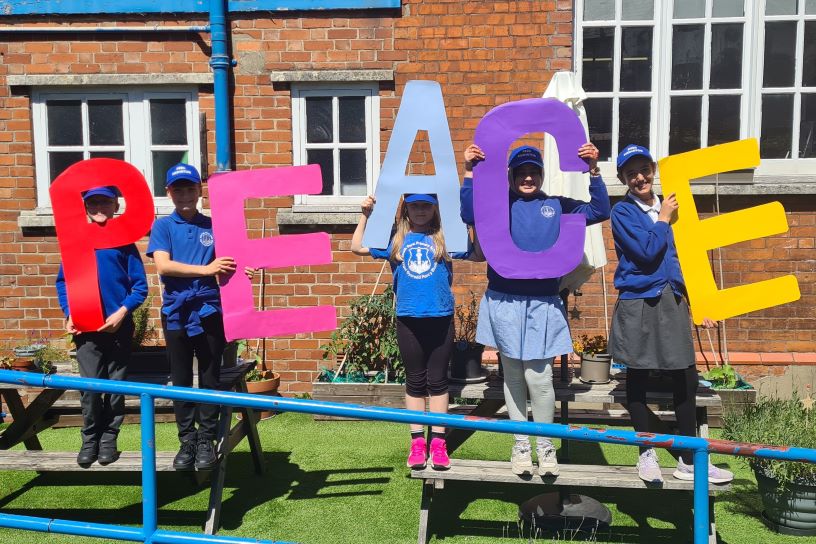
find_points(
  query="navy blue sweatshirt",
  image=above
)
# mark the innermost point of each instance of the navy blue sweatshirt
(122, 280)
(535, 223)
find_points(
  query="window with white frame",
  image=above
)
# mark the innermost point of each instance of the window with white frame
(337, 127)
(152, 130)
(684, 74)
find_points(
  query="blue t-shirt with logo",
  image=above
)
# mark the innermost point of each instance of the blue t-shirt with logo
(186, 300)
(422, 284)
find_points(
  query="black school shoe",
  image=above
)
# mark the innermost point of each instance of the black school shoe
(88, 453)
(108, 453)
(186, 456)
(205, 458)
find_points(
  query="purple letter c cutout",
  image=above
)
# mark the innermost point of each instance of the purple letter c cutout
(495, 134)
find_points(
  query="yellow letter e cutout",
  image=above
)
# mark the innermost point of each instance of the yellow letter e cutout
(694, 237)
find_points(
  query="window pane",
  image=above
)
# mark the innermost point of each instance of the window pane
(57, 162)
(780, 48)
(687, 56)
(780, 7)
(319, 120)
(633, 127)
(810, 7)
(599, 10)
(162, 161)
(105, 122)
(168, 122)
(723, 119)
(777, 122)
(64, 122)
(108, 155)
(688, 9)
(352, 119)
(353, 172)
(809, 64)
(325, 158)
(597, 62)
(599, 117)
(636, 58)
(726, 56)
(728, 8)
(807, 128)
(684, 127)
(637, 10)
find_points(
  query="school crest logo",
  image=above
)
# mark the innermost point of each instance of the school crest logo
(548, 211)
(206, 239)
(418, 260)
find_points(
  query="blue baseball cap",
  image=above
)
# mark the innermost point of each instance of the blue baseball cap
(182, 171)
(525, 155)
(631, 151)
(419, 197)
(109, 192)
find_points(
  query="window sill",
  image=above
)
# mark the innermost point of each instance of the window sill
(304, 215)
(43, 218)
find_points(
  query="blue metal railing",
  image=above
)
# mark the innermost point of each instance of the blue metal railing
(150, 534)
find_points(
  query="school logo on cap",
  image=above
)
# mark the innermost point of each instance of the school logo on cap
(548, 211)
(206, 239)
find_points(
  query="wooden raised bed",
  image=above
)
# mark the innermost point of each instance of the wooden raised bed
(391, 395)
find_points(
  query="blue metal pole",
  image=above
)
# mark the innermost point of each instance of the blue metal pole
(700, 497)
(220, 63)
(148, 429)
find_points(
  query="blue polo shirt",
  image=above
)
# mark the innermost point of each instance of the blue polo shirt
(186, 300)
(422, 285)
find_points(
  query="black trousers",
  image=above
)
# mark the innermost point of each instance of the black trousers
(425, 344)
(208, 349)
(103, 355)
(684, 394)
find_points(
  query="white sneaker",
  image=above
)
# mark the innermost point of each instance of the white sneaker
(716, 475)
(547, 460)
(648, 467)
(521, 459)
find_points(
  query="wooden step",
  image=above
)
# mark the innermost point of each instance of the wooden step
(60, 461)
(573, 475)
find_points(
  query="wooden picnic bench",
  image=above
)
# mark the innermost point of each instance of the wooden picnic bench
(41, 414)
(490, 399)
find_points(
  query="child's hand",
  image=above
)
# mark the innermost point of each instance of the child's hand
(114, 321)
(590, 154)
(667, 208)
(473, 156)
(250, 272)
(69, 326)
(709, 323)
(222, 265)
(367, 205)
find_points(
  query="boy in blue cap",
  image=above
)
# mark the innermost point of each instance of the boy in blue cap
(182, 246)
(106, 352)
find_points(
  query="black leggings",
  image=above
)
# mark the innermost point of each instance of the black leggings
(425, 344)
(684, 391)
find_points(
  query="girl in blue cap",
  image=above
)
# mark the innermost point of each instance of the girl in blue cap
(651, 329)
(423, 274)
(525, 319)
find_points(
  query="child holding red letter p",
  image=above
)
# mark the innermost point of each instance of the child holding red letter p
(423, 274)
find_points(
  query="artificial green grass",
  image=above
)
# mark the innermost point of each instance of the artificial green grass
(346, 482)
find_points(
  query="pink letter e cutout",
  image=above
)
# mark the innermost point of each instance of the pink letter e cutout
(228, 192)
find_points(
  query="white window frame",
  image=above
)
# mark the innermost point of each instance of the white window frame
(371, 92)
(136, 127)
(754, 18)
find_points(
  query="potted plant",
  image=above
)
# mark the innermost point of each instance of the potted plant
(46, 358)
(787, 488)
(596, 363)
(259, 380)
(466, 358)
(735, 393)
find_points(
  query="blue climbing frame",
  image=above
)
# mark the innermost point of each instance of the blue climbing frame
(150, 534)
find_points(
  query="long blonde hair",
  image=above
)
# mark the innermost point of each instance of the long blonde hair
(404, 227)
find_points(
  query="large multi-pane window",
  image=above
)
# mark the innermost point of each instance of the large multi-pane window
(151, 130)
(337, 127)
(684, 74)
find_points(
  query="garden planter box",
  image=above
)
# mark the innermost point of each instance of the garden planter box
(391, 395)
(732, 400)
(149, 360)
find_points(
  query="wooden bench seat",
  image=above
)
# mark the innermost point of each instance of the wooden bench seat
(65, 461)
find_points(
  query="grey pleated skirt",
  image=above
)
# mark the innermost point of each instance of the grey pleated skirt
(652, 333)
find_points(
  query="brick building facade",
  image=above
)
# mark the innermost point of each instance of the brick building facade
(482, 53)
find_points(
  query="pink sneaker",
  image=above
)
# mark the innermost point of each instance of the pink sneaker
(439, 454)
(417, 459)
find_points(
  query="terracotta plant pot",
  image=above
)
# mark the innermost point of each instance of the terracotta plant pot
(23, 364)
(267, 386)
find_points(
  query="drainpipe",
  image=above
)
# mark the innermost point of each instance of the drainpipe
(221, 63)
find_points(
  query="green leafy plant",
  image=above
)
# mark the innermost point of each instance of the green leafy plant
(45, 358)
(6, 362)
(465, 320)
(144, 331)
(586, 345)
(780, 422)
(245, 353)
(722, 377)
(367, 338)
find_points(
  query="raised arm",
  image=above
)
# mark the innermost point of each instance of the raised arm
(366, 207)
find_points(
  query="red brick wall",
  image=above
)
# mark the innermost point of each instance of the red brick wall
(482, 53)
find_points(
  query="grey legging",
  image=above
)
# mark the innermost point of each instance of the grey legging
(534, 375)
